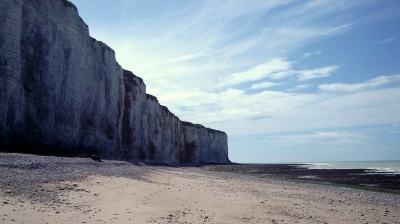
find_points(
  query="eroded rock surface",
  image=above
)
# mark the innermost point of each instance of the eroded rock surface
(62, 92)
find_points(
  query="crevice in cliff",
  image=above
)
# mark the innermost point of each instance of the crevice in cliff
(152, 150)
(189, 153)
(33, 50)
(142, 154)
(1, 45)
(127, 132)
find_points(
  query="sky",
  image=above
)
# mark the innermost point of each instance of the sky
(287, 80)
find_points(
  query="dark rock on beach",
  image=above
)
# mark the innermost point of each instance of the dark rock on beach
(359, 178)
(95, 158)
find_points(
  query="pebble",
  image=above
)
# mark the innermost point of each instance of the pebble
(55, 170)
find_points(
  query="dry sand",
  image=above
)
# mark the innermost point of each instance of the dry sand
(192, 195)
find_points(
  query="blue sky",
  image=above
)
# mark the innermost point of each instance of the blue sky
(288, 81)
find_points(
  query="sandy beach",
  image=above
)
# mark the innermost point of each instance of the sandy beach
(120, 192)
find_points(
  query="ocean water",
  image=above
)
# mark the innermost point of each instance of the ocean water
(377, 166)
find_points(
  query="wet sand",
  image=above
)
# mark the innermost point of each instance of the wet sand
(155, 194)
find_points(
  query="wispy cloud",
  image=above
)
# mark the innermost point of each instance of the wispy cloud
(315, 111)
(217, 44)
(230, 105)
(299, 87)
(317, 73)
(335, 137)
(372, 83)
(276, 69)
(308, 54)
(282, 74)
(189, 57)
(387, 40)
(338, 30)
(258, 72)
(396, 127)
(264, 85)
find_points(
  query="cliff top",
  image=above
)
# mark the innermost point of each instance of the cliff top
(68, 3)
(130, 74)
(186, 123)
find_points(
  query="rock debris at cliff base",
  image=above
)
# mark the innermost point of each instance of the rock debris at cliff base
(63, 93)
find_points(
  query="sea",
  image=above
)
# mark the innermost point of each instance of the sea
(392, 166)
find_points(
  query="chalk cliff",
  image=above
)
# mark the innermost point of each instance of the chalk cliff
(62, 92)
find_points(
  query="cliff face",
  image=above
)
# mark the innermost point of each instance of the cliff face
(62, 92)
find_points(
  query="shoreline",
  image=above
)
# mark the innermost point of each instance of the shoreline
(364, 179)
(39, 189)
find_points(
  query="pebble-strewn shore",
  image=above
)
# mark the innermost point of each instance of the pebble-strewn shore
(23, 175)
(80, 190)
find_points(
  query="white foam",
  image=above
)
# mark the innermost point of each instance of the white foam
(374, 166)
